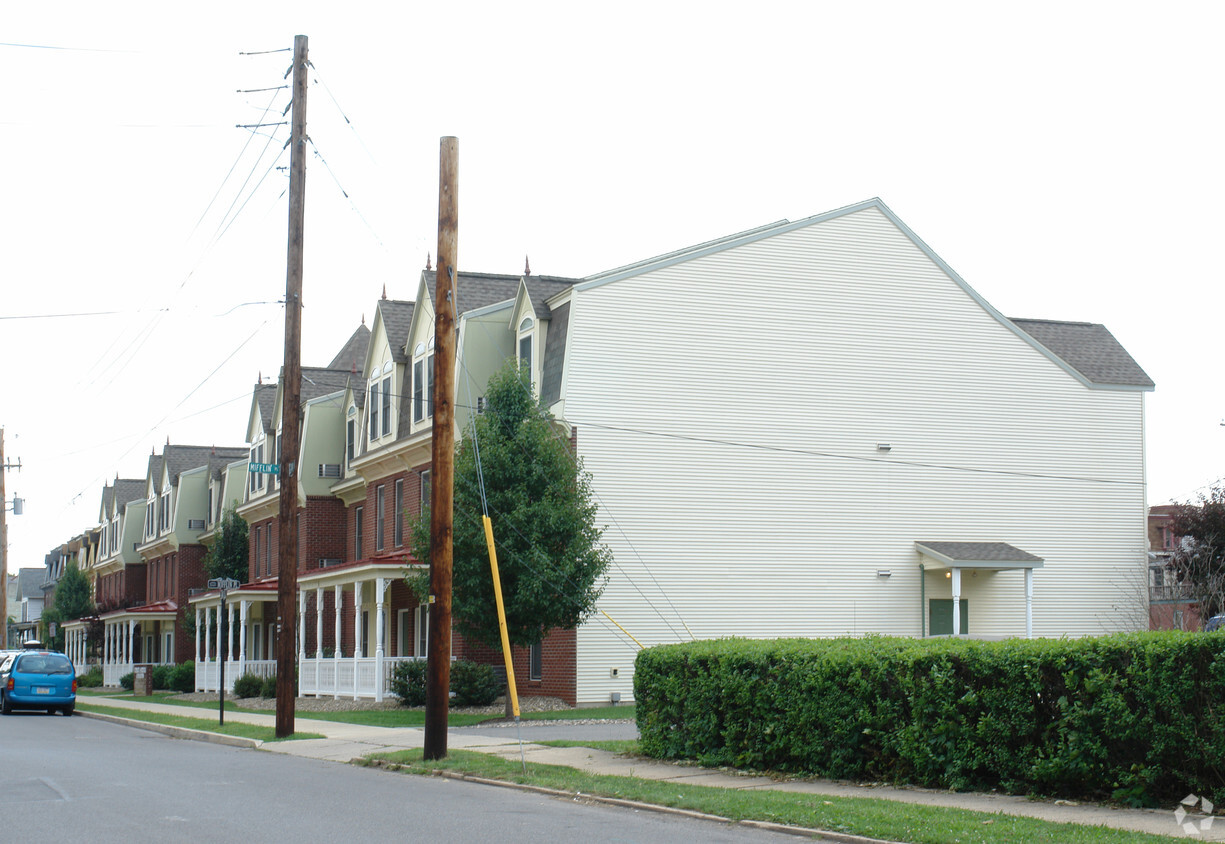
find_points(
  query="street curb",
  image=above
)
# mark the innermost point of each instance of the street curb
(806, 832)
(176, 732)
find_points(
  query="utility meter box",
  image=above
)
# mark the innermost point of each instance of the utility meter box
(142, 680)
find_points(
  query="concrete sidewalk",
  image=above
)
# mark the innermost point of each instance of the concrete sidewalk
(344, 742)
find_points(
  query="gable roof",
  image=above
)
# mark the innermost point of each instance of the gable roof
(317, 381)
(1088, 348)
(474, 291)
(180, 458)
(353, 354)
(265, 397)
(30, 583)
(397, 317)
(1100, 355)
(978, 553)
(127, 490)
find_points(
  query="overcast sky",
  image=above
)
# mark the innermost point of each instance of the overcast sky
(1063, 158)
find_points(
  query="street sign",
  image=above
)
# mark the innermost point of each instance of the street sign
(223, 583)
(264, 468)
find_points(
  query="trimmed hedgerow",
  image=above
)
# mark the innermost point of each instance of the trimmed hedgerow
(408, 682)
(248, 685)
(473, 683)
(1137, 717)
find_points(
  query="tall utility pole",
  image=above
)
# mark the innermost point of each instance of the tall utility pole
(4, 545)
(287, 579)
(442, 468)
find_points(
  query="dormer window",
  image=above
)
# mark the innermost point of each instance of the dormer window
(165, 526)
(525, 344)
(379, 401)
(388, 368)
(423, 381)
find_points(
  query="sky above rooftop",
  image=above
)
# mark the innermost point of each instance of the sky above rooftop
(1062, 158)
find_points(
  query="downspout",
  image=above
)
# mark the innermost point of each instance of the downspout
(922, 602)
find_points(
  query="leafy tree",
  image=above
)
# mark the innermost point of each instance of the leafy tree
(550, 557)
(72, 601)
(1199, 561)
(228, 555)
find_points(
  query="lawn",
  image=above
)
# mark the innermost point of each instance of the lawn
(210, 725)
(854, 815)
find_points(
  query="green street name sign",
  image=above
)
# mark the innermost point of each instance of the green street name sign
(264, 468)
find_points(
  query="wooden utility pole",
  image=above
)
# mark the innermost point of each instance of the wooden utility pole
(291, 375)
(442, 468)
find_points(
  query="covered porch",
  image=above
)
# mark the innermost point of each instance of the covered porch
(367, 600)
(250, 641)
(142, 635)
(76, 643)
(954, 558)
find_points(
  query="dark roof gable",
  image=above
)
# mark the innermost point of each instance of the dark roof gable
(1089, 349)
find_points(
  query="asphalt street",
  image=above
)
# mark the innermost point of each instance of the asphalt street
(84, 780)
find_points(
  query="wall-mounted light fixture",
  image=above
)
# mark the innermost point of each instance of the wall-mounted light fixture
(883, 573)
(884, 447)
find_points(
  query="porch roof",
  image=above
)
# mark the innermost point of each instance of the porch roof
(260, 590)
(993, 556)
(160, 611)
(395, 565)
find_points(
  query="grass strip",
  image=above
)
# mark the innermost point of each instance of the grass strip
(234, 728)
(873, 817)
(625, 747)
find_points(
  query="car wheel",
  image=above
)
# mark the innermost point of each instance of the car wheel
(67, 710)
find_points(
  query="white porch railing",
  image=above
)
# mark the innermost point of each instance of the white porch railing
(112, 671)
(348, 677)
(208, 673)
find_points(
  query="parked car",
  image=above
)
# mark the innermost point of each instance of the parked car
(38, 680)
(1217, 622)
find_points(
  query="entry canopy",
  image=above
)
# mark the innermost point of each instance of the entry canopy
(991, 556)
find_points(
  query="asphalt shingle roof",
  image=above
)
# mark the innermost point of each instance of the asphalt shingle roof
(397, 318)
(180, 458)
(353, 355)
(1088, 348)
(265, 395)
(980, 552)
(318, 382)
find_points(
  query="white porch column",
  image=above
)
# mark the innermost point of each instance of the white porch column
(131, 637)
(219, 643)
(956, 601)
(301, 625)
(318, 622)
(245, 607)
(208, 651)
(106, 644)
(199, 654)
(357, 630)
(231, 644)
(378, 647)
(1029, 603)
(337, 597)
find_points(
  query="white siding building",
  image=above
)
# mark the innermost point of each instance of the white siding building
(818, 428)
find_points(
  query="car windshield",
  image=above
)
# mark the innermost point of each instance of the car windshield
(43, 664)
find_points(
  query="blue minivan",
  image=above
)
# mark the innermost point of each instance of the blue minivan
(38, 680)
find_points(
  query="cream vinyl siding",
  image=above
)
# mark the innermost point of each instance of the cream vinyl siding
(734, 451)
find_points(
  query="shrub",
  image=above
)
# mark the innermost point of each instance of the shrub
(248, 685)
(128, 681)
(474, 684)
(161, 676)
(1132, 717)
(183, 677)
(267, 689)
(408, 683)
(91, 679)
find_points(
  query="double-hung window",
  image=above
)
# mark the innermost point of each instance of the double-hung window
(525, 345)
(423, 381)
(357, 532)
(387, 402)
(373, 402)
(397, 514)
(379, 518)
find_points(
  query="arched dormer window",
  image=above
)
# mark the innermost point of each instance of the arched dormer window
(525, 344)
(423, 381)
(379, 401)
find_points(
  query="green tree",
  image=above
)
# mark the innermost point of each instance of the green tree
(228, 555)
(72, 601)
(1199, 560)
(550, 557)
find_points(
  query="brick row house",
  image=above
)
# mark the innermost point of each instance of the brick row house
(871, 448)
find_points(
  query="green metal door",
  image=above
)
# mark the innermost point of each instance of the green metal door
(940, 616)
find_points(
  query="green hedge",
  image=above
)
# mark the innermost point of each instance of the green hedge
(1138, 717)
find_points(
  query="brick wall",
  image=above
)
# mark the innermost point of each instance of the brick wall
(559, 660)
